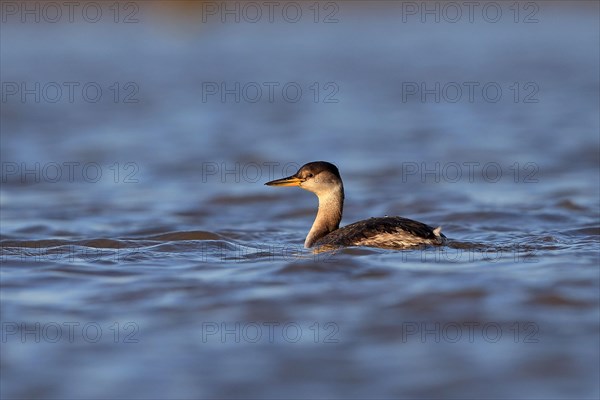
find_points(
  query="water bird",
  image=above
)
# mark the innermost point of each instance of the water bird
(323, 179)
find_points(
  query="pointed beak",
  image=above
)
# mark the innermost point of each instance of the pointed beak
(289, 181)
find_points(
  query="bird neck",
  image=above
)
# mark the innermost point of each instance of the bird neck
(331, 205)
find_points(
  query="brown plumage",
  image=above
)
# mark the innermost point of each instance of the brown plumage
(324, 179)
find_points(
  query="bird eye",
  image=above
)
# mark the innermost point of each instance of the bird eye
(309, 175)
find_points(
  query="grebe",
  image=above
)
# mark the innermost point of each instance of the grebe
(324, 180)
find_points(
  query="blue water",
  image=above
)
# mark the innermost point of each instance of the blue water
(142, 256)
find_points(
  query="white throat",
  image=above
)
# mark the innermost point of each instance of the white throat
(329, 215)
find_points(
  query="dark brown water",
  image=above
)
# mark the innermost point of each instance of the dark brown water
(142, 257)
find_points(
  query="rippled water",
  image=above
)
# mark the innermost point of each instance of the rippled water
(142, 256)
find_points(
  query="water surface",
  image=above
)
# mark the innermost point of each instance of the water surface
(142, 256)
